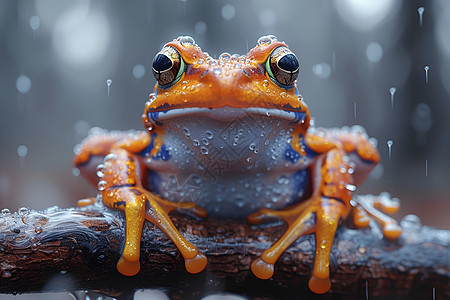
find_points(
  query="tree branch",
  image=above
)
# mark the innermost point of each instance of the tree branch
(77, 249)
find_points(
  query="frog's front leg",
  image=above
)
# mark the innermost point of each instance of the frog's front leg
(319, 214)
(334, 178)
(121, 188)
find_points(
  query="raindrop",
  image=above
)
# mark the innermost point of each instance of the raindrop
(322, 70)
(421, 121)
(217, 71)
(426, 167)
(426, 68)
(354, 109)
(228, 12)
(108, 83)
(200, 28)
(138, 71)
(267, 18)
(374, 52)
(392, 90)
(22, 151)
(225, 56)
(420, 10)
(35, 23)
(389, 144)
(76, 172)
(5, 211)
(23, 84)
(196, 143)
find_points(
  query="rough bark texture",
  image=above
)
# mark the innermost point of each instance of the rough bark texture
(77, 249)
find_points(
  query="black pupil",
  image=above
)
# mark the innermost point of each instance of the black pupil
(288, 63)
(161, 63)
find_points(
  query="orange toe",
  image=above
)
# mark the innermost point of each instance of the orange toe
(261, 269)
(128, 268)
(196, 264)
(318, 285)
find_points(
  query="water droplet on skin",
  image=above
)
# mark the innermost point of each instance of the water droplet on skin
(38, 229)
(100, 170)
(350, 187)
(252, 146)
(5, 211)
(195, 142)
(217, 71)
(204, 150)
(186, 40)
(225, 56)
(265, 40)
(209, 135)
(101, 185)
(249, 159)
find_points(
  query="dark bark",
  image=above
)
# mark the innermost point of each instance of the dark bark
(77, 249)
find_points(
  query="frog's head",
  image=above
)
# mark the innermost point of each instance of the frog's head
(189, 81)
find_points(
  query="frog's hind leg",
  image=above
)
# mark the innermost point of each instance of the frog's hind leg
(368, 207)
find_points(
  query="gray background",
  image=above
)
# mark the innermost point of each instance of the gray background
(349, 51)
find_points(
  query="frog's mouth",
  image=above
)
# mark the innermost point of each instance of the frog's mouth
(227, 113)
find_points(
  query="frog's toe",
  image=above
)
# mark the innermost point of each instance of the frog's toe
(262, 269)
(86, 202)
(128, 268)
(319, 285)
(392, 231)
(196, 264)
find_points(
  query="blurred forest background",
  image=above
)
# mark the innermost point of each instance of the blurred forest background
(355, 57)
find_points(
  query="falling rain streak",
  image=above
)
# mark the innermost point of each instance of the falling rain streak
(392, 90)
(426, 167)
(367, 290)
(426, 68)
(389, 144)
(108, 83)
(420, 10)
(354, 109)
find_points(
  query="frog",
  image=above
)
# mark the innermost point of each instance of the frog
(233, 138)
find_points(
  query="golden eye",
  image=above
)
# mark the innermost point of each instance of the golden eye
(282, 66)
(168, 66)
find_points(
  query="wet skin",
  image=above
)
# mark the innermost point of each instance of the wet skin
(232, 138)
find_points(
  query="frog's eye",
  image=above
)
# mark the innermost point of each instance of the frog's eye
(282, 66)
(168, 66)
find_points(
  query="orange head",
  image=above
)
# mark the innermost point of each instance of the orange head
(187, 77)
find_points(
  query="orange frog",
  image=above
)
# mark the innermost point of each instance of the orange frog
(232, 138)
